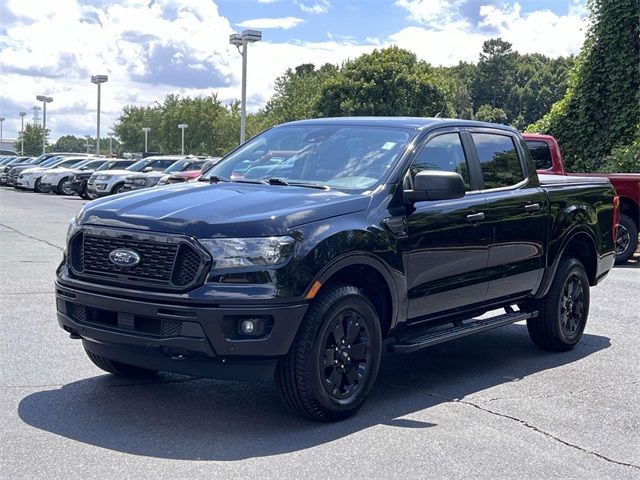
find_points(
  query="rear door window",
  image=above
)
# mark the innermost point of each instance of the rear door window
(499, 160)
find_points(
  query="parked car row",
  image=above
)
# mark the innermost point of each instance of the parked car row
(90, 176)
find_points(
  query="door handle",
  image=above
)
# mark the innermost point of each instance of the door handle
(532, 207)
(475, 217)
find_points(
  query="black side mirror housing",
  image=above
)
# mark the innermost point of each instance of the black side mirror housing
(435, 185)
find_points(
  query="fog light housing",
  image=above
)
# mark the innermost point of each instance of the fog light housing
(245, 327)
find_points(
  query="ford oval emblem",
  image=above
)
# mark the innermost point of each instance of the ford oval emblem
(124, 258)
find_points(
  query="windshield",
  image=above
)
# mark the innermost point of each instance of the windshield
(139, 165)
(79, 164)
(51, 161)
(343, 157)
(183, 165)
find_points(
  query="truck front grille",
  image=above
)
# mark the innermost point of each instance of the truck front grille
(165, 262)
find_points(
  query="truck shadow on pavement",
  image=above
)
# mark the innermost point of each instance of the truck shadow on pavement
(177, 417)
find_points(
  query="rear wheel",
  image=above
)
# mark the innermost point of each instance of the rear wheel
(119, 369)
(334, 360)
(626, 239)
(64, 187)
(564, 309)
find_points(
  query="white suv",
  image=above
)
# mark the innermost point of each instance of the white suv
(58, 179)
(109, 182)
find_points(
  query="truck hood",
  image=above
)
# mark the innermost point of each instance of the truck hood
(203, 210)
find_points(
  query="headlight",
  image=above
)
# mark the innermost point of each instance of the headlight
(102, 177)
(248, 252)
(73, 228)
(138, 181)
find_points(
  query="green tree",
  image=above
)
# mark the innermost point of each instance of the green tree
(494, 74)
(601, 109)
(297, 93)
(486, 113)
(70, 143)
(386, 82)
(32, 139)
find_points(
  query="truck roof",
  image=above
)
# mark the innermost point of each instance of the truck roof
(414, 123)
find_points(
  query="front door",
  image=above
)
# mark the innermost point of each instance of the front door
(446, 249)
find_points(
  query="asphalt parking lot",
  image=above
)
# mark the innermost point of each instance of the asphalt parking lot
(488, 406)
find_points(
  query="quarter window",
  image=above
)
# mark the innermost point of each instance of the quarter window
(498, 160)
(444, 153)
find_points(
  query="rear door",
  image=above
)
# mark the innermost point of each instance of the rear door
(516, 214)
(447, 241)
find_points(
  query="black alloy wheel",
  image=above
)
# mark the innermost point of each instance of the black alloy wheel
(344, 361)
(571, 307)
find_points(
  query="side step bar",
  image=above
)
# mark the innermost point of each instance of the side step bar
(407, 343)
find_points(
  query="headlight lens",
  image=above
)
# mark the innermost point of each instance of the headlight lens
(249, 252)
(138, 181)
(73, 228)
(102, 177)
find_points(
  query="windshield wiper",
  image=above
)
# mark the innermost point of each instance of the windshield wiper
(277, 181)
(282, 181)
(214, 179)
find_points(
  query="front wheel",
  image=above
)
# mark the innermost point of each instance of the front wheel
(564, 309)
(334, 360)
(626, 239)
(36, 187)
(118, 188)
(64, 187)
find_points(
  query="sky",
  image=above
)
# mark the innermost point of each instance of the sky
(151, 48)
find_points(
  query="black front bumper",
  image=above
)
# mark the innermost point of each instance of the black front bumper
(192, 339)
(79, 186)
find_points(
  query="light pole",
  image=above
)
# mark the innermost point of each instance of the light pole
(87, 137)
(111, 144)
(44, 99)
(22, 114)
(1, 122)
(146, 131)
(98, 80)
(182, 126)
(241, 41)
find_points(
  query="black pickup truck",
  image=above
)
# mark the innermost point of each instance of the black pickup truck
(308, 248)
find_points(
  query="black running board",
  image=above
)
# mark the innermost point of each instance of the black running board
(409, 344)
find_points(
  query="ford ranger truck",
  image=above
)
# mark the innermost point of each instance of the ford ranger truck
(312, 245)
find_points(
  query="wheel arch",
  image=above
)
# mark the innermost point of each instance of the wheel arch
(629, 208)
(369, 273)
(579, 244)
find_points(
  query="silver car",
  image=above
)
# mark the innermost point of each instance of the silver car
(151, 179)
(58, 179)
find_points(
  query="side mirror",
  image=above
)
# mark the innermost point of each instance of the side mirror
(435, 185)
(147, 169)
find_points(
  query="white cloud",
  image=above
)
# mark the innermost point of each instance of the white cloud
(447, 42)
(283, 22)
(429, 11)
(321, 7)
(267, 1)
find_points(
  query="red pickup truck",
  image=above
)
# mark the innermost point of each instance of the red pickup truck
(547, 157)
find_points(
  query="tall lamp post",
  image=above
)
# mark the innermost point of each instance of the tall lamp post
(87, 137)
(44, 99)
(182, 126)
(1, 122)
(146, 131)
(111, 144)
(241, 41)
(22, 114)
(98, 80)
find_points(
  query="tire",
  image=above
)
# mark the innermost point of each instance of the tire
(61, 190)
(626, 239)
(564, 309)
(36, 187)
(318, 378)
(85, 196)
(117, 188)
(119, 369)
